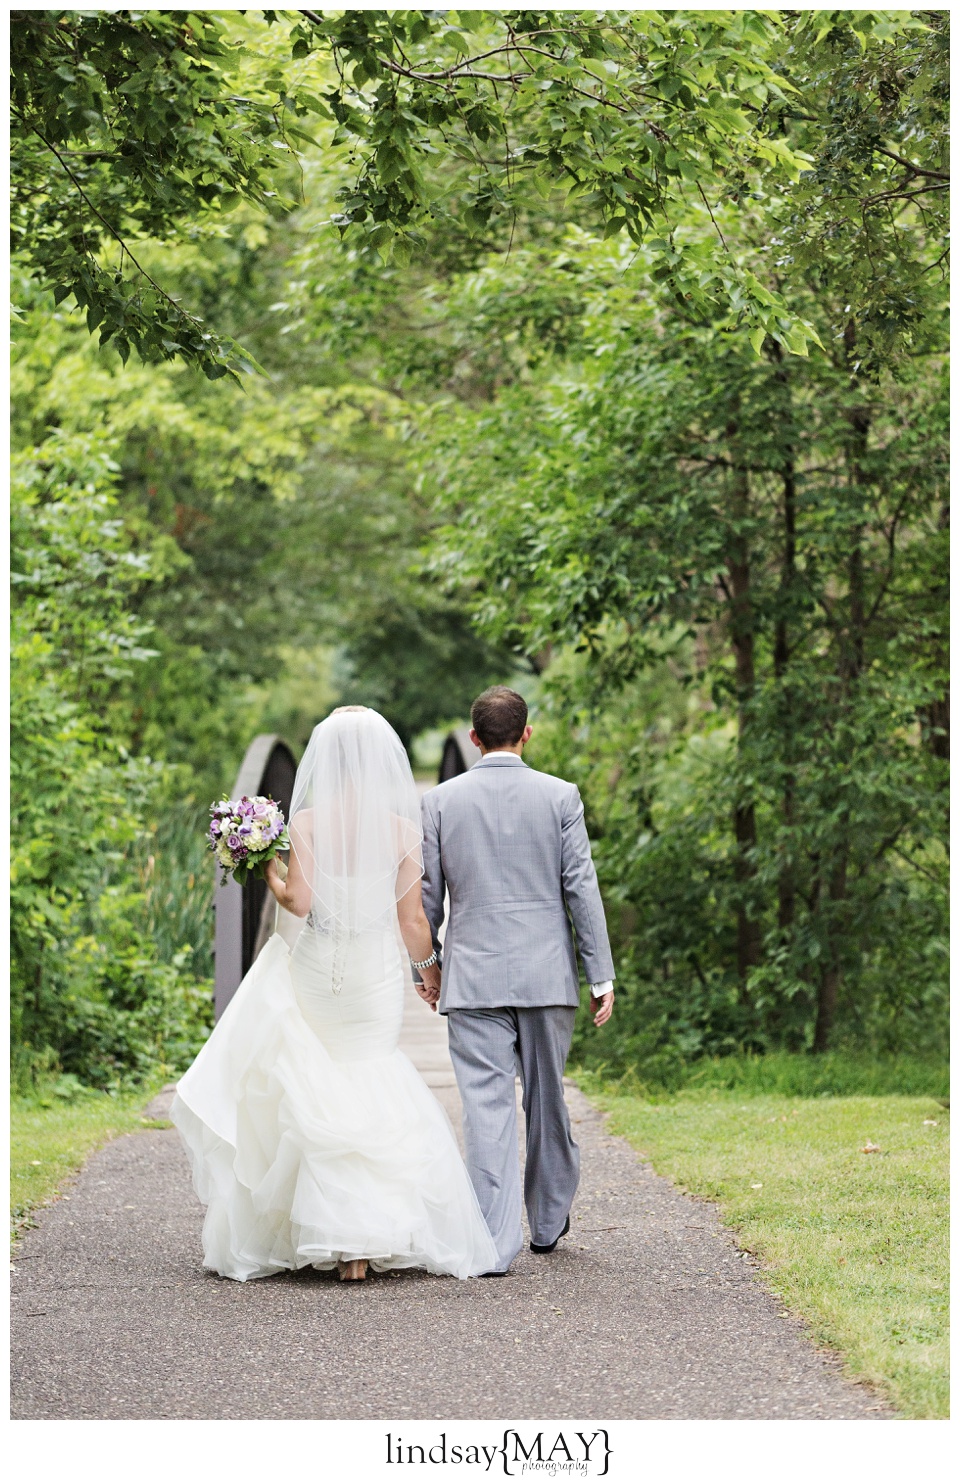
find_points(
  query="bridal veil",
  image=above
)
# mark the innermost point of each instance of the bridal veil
(355, 824)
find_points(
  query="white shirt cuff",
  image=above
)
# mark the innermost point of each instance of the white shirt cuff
(599, 989)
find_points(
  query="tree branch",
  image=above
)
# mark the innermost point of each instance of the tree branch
(901, 195)
(909, 165)
(452, 74)
(913, 863)
(712, 217)
(466, 69)
(891, 560)
(100, 217)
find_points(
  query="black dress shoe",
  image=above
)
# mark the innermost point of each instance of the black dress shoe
(493, 1273)
(544, 1250)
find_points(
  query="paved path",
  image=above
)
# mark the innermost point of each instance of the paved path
(646, 1310)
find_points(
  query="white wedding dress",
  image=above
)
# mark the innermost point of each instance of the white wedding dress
(312, 1137)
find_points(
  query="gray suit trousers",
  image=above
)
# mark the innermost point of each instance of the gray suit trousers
(488, 1048)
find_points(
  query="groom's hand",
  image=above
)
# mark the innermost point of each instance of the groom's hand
(601, 1008)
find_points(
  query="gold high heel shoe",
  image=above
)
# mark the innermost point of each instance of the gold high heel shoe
(352, 1270)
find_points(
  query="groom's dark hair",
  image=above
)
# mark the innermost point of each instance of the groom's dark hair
(499, 716)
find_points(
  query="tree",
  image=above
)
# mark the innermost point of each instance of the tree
(661, 481)
(129, 126)
(566, 316)
(89, 994)
(866, 226)
(280, 519)
(643, 118)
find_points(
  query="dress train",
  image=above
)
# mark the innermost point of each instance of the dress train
(312, 1138)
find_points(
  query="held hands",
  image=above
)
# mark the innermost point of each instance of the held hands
(601, 1008)
(429, 987)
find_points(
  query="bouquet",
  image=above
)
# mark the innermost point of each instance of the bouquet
(245, 835)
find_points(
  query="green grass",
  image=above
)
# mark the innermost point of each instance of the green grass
(778, 1072)
(51, 1138)
(854, 1242)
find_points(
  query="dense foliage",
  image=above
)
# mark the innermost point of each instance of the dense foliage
(748, 554)
(128, 125)
(751, 557)
(90, 995)
(532, 318)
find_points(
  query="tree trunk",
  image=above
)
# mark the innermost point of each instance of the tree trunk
(829, 989)
(748, 931)
(742, 638)
(786, 887)
(935, 721)
(935, 717)
(849, 668)
(857, 624)
(786, 877)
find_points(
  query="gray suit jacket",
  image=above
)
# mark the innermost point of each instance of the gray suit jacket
(511, 847)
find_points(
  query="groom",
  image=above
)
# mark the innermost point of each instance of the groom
(511, 847)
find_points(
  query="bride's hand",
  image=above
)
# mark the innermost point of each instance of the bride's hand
(275, 875)
(429, 995)
(429, 987)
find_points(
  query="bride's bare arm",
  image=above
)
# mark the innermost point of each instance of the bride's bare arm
(294, 893)
(415, 929)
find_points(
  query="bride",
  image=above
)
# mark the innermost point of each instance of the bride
(312, 1138)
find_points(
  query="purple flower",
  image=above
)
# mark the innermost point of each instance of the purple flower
(233, 821)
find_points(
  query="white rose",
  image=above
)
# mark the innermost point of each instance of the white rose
(223, 853)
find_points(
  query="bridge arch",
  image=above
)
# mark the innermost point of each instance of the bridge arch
(459, 754)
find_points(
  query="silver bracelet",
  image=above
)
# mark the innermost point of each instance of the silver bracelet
(427, 961)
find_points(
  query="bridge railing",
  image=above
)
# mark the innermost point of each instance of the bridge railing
(245, 915)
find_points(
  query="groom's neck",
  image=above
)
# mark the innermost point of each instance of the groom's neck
(512, 748)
